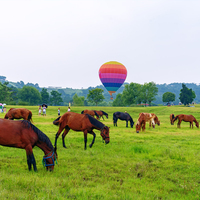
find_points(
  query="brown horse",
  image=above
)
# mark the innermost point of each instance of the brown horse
(171, 119)
(91, 113)
(18, 113)
(101, 113)
(141, 123)
(185, 118)
(22, 134)
(80, 122)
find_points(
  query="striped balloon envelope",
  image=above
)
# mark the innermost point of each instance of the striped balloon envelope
(112, 75)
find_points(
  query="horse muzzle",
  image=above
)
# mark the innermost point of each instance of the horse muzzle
(107, 141)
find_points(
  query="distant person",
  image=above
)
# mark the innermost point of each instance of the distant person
(40, 110)
(68, 109)
(44, 110)
(58, 111)
(4, 109)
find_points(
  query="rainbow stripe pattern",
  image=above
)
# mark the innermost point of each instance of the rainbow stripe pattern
(112, 75)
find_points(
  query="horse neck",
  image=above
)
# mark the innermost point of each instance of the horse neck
(195, 121)
(95, 123)
(44, 147)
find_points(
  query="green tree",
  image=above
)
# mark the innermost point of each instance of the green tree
(118, 100)
(78, 101)
(95, 96)
(149, 91)
(5, 93)
(55, 98)
(131, 93)
(187, 95)
(45, 96)
(168, 96)
(29, 95)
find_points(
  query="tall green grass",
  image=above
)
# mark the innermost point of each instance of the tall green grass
(160, 163)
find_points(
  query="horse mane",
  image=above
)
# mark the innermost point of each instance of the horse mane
(82, 112)
(41, 136)
(96, 113)
(131, 119)
(95, 122)
(104, 112)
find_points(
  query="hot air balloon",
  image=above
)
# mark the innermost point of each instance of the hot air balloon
(112, 75)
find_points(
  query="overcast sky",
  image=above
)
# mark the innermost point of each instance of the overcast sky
(64, 43)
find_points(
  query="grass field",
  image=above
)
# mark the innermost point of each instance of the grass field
(160, 163)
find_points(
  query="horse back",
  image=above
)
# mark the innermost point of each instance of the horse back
(13, 134)
(74, 121)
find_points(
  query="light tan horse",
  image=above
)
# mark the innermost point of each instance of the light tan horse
(146, 117)
(150, 117)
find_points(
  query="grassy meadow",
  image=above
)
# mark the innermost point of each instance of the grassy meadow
(160, 163)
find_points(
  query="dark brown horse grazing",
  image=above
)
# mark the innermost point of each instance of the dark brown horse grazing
(91, 113)
(22, 134)
(141, 123)
(122, 116)
(171, 118)
(80, 122)
(185, 118)
(18, 113)
(101, 113)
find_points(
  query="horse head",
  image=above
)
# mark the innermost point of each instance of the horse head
(157, 121)
(171, 119)
(104, 113)
(105, 134)
(50, 159)
(138, 127)
(197, 124)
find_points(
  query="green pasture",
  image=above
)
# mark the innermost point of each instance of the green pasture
(160, 163)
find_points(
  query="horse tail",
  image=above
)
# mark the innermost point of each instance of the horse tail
(175, 118)
(6, 116)
(96, 114)
(114, 118)
(30, 117)
(56, 121)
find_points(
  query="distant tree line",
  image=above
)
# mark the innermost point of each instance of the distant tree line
(128, 95)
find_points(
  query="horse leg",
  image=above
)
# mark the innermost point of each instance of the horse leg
(63, 136)
(150, 124)
(179, 123)
(85, 138)
(30, 158)
(126, 123)
(102, 117)
(94, 136)
(57, 134)
(115, 122)
(143, 127)
(191, 123)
